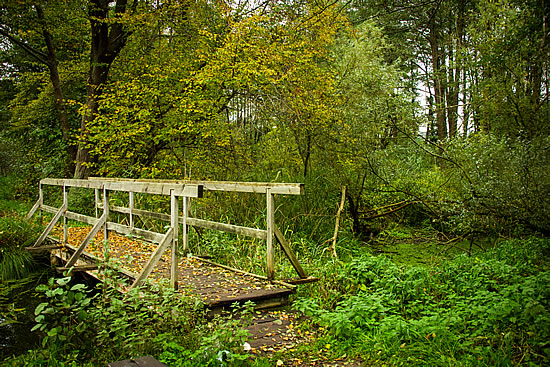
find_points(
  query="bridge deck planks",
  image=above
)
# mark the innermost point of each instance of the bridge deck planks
(215, 286)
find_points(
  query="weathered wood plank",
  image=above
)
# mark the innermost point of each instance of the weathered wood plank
(66, 203)
(78, 268)
(33, 209)
(190, 190)
(288, 252)
(142, 233)
(180, 189)
(50, 225)
(184, 222)
(87, 184)
(253, 187)
(89, 237)
(230, 228)
(174, 213)
(131, 208)
(155, 257)
(270, 222)
(201, 223)
(72, 215)
(105, 214)
(43, 248)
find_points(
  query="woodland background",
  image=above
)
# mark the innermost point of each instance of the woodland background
(433, 114)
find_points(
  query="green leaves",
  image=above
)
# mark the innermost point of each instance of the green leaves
(455, 305)
(64, 317)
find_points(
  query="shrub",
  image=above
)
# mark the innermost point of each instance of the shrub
(15, 234)
(472, 310)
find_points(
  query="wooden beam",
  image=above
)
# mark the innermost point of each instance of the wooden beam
(155, 257)
(131, 208)
(71, 215)
(230, 228)
(270, 221)
(288, 252)
(201, 223)
(174, 213)
(180, 189)
(66, 203)
(184, 221)
(228, 186)
(87, 184)
(33, 209)
(89, 237)
(78, 268)
(96, 202)
(105, 214)
(43, 248)
(142, 233)
(50, 225)
(190, 190)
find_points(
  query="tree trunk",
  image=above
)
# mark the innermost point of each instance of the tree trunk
(439, 87)
(51, 63)
(108, 39)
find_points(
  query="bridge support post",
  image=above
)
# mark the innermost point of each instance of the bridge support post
(66, 205)
(185, 244)
(131, 207)
(96, 201)
(106, 214)
(270, 219)
(174, 211)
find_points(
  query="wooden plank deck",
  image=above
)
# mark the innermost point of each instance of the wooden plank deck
(214, 285)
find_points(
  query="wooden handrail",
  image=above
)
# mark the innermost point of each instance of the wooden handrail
(174, 188)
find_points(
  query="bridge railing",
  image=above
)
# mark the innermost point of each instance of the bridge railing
(177, 191)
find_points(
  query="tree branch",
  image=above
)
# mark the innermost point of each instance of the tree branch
(31, 51)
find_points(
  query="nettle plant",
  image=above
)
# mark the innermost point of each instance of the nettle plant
(63, 317)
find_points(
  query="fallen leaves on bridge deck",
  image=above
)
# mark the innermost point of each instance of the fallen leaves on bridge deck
(214, 285)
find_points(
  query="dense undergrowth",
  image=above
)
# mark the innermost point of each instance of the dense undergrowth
(490, 309)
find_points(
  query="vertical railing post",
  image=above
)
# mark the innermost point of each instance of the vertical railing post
(96, 200)
(270, 219)
(41, 200)
(185, 244)
(174, 212)
(66, 205)
(131, 205)
(106, 213)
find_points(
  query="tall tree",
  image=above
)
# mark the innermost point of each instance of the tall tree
(108, 37)
(18, 19)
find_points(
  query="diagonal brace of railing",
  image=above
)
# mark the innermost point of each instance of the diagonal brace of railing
(155, 257)
(50, 225)
(100, 222)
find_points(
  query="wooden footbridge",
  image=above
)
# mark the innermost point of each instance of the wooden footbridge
(142, 254)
